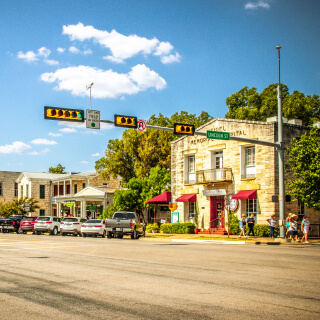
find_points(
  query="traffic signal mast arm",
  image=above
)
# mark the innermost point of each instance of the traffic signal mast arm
(199, 133)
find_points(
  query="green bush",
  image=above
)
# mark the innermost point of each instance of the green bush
(233, 223)
(187, 227)
(152, 226)
(262, 230)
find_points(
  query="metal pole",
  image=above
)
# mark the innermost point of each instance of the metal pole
(280, 153)
(89, 87)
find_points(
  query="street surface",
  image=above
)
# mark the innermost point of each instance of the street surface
(54, 277)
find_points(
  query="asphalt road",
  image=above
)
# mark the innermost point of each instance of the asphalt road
(53, 277)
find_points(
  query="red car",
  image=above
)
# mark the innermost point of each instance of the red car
(27, 224)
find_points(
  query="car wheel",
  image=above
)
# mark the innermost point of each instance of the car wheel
(38, 233)
(103, 235)
(84, 235)
(20, 231)
(75, 234)
(109, 235)
(120, 236)
(63, 234)
(80, 235)
(54, 231)
(94, 235)
(134, 234)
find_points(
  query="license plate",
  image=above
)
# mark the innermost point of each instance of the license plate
(118, 229)
(68, 225)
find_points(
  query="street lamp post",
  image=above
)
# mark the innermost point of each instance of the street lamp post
(280, 153)
(89, 87)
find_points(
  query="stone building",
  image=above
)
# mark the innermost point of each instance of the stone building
(61, 194)
(8, 186)
(209, 174)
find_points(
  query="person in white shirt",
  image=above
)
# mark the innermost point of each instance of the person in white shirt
(272, 225)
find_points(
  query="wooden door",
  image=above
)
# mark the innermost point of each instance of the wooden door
(216, 213)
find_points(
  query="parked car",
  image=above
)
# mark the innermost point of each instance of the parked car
(94, 227)
(46, 224)
(71, 225)
(125, 223)
(27, 224)
(11, 224)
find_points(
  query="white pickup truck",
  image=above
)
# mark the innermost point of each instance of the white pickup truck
(125, 223)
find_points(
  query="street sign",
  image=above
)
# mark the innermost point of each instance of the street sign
(218, 135)
(27, 207)
(142, 126)
(93, 119)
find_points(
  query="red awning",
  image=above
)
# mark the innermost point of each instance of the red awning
(245, 194)
(187, 198)
(164, 197)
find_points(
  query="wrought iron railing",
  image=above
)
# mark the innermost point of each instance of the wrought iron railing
(210, 176)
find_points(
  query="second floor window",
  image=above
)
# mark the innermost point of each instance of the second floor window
(1, 194)
(42, 191)
(15, 189)
(191, 169)
(250, 162)
(27, 191)
(75, 188)
(21, 192)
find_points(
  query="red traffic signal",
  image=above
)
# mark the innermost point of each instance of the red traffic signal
(63, 114)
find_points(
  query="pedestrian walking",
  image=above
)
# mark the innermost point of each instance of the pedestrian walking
(305, 227)
(242, 226)
(293, 228)
(288, 224)
(272, 225)
(250, 222)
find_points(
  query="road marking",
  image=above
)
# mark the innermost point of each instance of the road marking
(208, 241)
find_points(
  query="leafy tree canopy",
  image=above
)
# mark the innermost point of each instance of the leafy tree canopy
(17, 207)
(248, 104)
(304, 161)
(136, 152)
(58, 169)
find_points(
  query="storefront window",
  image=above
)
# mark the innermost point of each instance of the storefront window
(251, 206)
(192, 209)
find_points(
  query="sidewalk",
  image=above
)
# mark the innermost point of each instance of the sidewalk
(225, 239)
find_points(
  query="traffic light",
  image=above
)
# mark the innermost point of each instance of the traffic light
(63, 114)
(125, 121)
(183, 129)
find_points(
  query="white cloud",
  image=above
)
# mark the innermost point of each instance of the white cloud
(38, 153)
(68, 130)
(29, 56)
(96, 154)
(44, 141)
(122, 47)
(61, 50)
(74, 49)
(171, 58)
(45, 52)
(55, 134)
(107, 83)
(52, 62)
(15, 147)
(257, 5)
(84, 162)
(88, 51)
(72, 124)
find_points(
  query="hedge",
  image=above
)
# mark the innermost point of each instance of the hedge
(262, 230)
(187, 227)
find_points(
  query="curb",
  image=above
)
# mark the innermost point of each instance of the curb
(208, 241)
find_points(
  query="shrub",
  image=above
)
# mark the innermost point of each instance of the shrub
(233, 223)
(152, 226)
(186, 227)
(262, 230)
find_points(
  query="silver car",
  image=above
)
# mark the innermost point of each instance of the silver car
(71, 225)
(45, 224)
(94, 227)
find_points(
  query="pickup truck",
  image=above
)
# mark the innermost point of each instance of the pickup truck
(11, 224)
(124, 223)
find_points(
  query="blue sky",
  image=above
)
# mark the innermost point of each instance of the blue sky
(144, 58)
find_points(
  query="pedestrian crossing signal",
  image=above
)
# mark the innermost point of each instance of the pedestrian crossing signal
(183, 129)
(125, 121)
(63, 114)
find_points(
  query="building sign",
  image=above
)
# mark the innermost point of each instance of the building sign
(234, 204)
(214, 192)
(174, 217)
(69, 203)
(92, 207)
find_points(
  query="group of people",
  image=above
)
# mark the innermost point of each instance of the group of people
(291, 225)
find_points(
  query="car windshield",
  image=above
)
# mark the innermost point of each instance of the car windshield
(29, 219)
(43, 219)
(94, 221)
(70, 220)
(124, 215)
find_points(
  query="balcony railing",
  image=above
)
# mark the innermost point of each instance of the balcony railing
(210, 176)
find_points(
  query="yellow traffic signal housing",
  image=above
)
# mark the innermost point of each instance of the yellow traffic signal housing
(125, 121)
(183, 129)
(63, 114)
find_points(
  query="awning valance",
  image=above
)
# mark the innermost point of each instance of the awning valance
(164, 198)
(187, 198)
(245, 194)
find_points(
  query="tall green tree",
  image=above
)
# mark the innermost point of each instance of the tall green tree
(58, 169)
(248, 104)
(136, 153)
(17, 207)
(304, 161)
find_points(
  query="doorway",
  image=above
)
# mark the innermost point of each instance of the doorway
(216, 213)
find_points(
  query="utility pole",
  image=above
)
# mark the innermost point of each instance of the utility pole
(280, 150)
(89, 87)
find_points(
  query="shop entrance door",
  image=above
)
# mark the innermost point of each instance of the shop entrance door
(216, 213)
